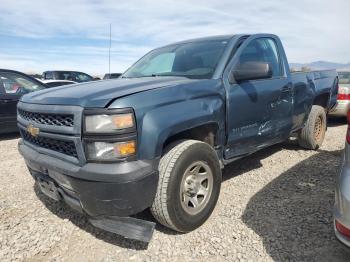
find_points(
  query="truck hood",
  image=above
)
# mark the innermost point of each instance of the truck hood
(99, 93)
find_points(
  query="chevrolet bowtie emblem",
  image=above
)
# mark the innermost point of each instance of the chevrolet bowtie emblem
(34, 131)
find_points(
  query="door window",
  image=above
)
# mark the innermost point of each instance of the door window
(263, 50)
(48, 76)
(18, 84)
(81, 77)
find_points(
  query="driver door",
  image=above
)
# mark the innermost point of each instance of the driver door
(259, 110)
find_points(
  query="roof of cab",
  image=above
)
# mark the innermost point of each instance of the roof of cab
(201, 39)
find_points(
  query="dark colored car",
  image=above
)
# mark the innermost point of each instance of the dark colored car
(37, 76)
(68, 75)
(13, 85)
(158, 136)
(111, 76)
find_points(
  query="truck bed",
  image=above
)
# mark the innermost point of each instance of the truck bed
(321, 82)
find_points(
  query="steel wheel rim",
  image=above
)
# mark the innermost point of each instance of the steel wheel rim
(196, 187)
(318, 130)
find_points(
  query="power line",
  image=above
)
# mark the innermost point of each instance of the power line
(110, 45)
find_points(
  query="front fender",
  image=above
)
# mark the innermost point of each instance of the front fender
(166, 121)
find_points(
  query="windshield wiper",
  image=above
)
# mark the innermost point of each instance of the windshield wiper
(152, 75)
(139, 76)
(155, 75)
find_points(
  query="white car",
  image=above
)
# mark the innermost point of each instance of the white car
(54, 83)
(343, 99)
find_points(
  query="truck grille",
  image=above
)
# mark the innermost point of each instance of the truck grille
(66, 120)
(64, 147)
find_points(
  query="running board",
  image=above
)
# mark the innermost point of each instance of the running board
(127, 227)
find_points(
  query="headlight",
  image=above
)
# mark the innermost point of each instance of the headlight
(108, 123)
(110, 150)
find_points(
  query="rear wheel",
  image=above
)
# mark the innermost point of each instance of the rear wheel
(313, 133)
(189, 185)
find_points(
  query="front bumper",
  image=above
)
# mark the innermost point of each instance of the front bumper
(341, 109)
(98, 190)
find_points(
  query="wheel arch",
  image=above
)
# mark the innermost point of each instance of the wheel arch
(322, 100)
(207, 133)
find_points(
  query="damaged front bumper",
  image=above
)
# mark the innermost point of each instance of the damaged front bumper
(107, 193)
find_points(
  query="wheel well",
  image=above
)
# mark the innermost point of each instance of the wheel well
(321, 100)
(205, 133)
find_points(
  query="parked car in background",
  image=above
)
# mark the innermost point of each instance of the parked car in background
(36, 76)
(342, 195)
(111, 76)
(68, 75)
(343, 99)
(54, 83)
(13, 85)
(158, 136)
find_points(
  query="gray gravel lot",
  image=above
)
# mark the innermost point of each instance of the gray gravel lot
(275, 205)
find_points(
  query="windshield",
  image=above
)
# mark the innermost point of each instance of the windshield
(344, 77)
(14, 83)
(196, 60)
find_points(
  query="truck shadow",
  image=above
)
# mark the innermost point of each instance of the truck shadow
(9, 136)
(336, 121)
(293, 213)
(253, 161)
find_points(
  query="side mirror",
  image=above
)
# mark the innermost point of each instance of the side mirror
(251, 71)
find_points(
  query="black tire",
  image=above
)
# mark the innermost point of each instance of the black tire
(313, 133)
(167, 207)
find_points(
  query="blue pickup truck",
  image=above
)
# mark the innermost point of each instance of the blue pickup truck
(159, 136)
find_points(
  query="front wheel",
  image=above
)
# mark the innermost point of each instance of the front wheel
(313, 133)
(189, 185)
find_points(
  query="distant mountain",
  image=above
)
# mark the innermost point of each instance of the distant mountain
(321, 65)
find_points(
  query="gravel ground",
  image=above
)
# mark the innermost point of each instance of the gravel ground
(275, 205)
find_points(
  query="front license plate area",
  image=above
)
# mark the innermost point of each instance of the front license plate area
(49, 189)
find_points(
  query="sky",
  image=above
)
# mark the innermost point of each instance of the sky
(41, 35)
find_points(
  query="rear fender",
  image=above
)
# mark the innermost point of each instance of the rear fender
(333, 94)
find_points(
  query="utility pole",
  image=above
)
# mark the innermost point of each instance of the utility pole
(110, 45)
